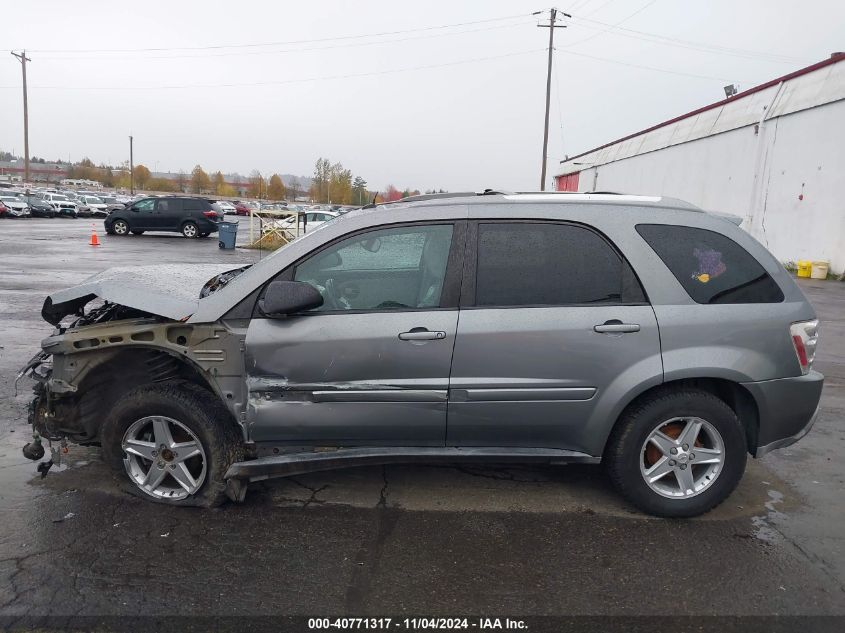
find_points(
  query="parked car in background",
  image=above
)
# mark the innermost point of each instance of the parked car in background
(192, 217)
(4, 210)
(309, 220)
(17, 206)
(638, 332)
(64, 207)
(242, 209)
(95, 205)
(40, 208)
(112, 203)
(227, 207)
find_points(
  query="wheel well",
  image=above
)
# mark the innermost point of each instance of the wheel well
(130, 368)
(731, 393)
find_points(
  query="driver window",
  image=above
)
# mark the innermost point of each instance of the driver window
(145, 205)
(389, 269)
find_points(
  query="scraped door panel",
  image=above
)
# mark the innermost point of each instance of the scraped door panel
(348, 379)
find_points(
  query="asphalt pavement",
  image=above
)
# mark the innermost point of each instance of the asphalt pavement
(399, 540)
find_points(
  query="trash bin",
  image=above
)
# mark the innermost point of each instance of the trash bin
(227, 233)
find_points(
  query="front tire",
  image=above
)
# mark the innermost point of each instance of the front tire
(120, 227)
(175, 442)
(190, 230)
(677, 453)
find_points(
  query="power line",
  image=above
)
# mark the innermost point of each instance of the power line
(678, 42)
(613, 26)
(290, 81)
(652, 68)
(280, 43)
(295, 50)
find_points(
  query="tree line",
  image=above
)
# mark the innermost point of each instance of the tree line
(332, 183)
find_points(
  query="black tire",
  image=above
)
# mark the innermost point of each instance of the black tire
(623, 454)
(137, 232)
(190, 230)
(110, 231)
(198, 409)
(120, 227)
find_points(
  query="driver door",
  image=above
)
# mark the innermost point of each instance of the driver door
(371, 365)
(141, 216)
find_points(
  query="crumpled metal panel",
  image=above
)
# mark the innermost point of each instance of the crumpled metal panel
(170, 290)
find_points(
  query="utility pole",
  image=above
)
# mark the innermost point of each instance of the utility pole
(131, 169)
(23, 60)
(551, 26)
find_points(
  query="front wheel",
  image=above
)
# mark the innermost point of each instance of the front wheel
(120, 227)
(175, 442)
(190, 230)
(677, 453)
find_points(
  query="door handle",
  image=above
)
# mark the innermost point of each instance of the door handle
(615, 326)
(421, 334)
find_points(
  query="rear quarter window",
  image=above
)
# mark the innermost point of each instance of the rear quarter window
(711, 267)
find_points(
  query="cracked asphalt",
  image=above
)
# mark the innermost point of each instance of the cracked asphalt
(423, 540)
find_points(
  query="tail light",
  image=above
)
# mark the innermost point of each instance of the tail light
(210, 214)
(805, 335)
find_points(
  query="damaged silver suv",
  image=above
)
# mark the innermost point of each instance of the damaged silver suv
(639, 332)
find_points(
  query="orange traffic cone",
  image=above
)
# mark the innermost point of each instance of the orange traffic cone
(94, 239)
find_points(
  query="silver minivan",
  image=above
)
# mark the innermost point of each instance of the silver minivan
(639, 332)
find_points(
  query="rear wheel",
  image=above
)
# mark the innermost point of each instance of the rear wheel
(120, 227)
(175, 442)
(677, 454)
(190, 230)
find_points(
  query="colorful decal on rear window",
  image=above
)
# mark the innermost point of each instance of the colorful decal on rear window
(710, 264)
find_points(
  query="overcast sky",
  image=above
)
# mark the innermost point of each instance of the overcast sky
(417, 94)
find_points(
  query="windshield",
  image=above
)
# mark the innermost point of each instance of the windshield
(93, 200)
(58, 196)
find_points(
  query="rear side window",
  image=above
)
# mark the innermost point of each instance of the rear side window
(712, 268)
(195, 204)
(169, 205)
(536, 264)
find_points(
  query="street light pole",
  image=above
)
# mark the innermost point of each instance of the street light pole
(23, 60)
(131, 169)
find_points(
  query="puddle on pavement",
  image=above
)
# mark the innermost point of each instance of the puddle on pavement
(764, 529)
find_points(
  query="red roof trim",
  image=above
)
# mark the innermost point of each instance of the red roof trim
(833, 59)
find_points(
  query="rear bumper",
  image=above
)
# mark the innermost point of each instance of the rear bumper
(788, 408)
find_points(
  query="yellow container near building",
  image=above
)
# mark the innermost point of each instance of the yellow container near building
(805, 268)
(819, 270)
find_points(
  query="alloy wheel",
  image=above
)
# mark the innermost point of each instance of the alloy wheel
(120, 227)
(682, 457)
(164, 458)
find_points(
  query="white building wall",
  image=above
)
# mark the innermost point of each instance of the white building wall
(798, 154)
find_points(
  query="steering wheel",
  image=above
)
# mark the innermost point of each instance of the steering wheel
(331, 297)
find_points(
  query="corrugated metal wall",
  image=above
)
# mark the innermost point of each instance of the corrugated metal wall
(786, 178)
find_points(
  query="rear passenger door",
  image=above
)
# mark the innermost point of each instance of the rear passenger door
(552, 320)
(168, 214)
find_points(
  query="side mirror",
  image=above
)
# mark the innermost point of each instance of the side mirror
(288, 297)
